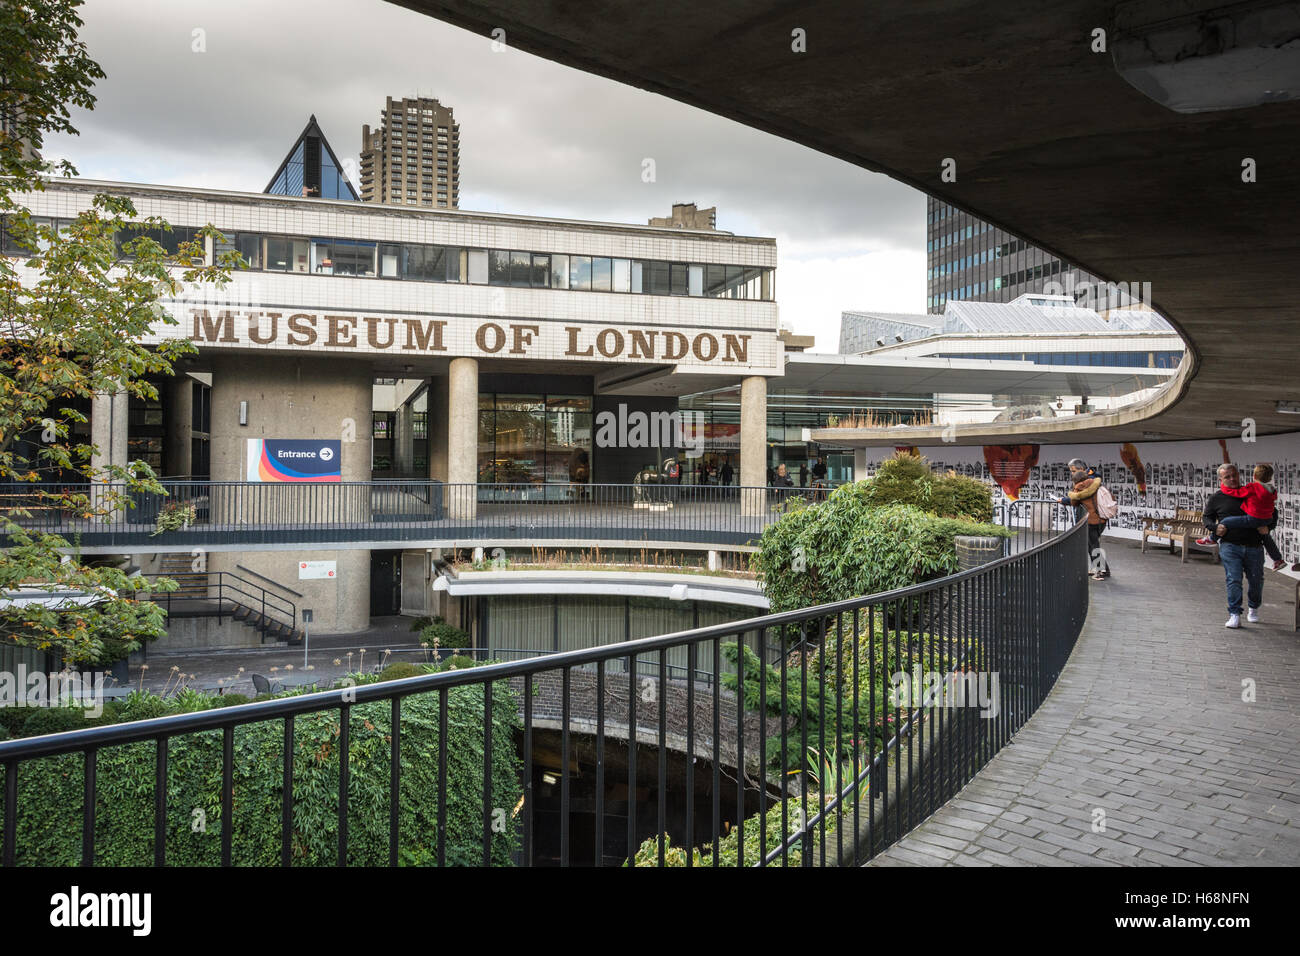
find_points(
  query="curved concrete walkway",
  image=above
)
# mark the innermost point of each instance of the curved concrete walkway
(1145, 753)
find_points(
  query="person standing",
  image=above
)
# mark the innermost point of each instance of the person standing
(1240, 549)
(1083, 495)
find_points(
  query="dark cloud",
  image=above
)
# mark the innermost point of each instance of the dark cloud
(212, 94)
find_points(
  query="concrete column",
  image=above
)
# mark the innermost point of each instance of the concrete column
(462, 436)
(178, 403)
(404, 440)
(753, 443)
(437, 419)
(307, 398)
(108, 429)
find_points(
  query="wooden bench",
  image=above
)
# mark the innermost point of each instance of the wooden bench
(1182, 529)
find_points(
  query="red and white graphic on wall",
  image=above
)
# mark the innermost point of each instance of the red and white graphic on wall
(316, 570)
(1009, 466)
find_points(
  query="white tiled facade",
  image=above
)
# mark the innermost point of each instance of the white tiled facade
(691, 333)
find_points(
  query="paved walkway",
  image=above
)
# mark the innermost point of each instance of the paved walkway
(1147, 734)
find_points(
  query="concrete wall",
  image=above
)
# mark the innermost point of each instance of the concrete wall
(303, 398)
(178, 407)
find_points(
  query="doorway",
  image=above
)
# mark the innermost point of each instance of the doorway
(385, 583)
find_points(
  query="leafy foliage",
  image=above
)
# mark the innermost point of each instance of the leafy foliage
(441, 634)
(731, 852)
(845, 547)
(48, 828)
(71, 326)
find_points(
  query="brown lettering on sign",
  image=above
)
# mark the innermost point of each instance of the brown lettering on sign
(499, 337)
(610, 335)
(710, 345)
(676, 346)
(573, 331)
(523, 335)
(643, 343)
(373, 324)
(737, 348)
(342, 331)
(302, 329)
(255, 336)
(426, 336)
(206, 329)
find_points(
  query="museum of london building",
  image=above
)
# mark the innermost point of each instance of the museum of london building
(370, 342)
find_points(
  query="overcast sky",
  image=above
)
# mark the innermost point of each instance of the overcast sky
(536, 138)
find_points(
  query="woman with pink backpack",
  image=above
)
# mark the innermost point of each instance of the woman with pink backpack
(1091, 495)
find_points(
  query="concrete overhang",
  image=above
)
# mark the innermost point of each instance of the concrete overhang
(816, 372)
(676, 587)
(1049, 142)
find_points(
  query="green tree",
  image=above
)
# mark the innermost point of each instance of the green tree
(74, 305)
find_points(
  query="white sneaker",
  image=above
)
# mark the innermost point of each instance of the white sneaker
(1233, 621)
(1252, 615)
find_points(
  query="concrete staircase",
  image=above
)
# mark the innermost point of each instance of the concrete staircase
(198, 595)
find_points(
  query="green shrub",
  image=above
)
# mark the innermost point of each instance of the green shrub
(12, 719)
(4, 734)
(232, 700)
(49, 823)
(906, 479)
(846, 547)
(729, 849)
(420, 623)
(457, 662)
(53, 720)
(443, 635)
(403, 670)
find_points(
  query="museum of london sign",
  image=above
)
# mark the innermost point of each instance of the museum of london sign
(505, 338)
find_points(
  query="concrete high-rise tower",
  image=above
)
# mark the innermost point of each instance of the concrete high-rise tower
(413, 157)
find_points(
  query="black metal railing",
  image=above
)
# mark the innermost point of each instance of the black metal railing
(1033, 521)
(594, 756)
(222, 594)
(214, 513)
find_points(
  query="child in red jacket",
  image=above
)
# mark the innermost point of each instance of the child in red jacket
(1259, 498)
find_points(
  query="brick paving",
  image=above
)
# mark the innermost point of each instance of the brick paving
(1147, 726)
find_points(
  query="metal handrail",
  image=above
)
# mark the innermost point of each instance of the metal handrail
(271, 606)
(1018, 615)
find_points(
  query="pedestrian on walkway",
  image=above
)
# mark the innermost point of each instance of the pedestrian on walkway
(1083, 494)
(1240, 549)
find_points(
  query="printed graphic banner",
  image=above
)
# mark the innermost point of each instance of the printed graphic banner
(294, 459)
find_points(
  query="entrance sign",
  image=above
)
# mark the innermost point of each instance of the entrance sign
(289, 459)
(315, 570)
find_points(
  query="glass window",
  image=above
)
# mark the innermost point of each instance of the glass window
(559, 272)
(521, 267)
(390, 259)
(638, 276)
(734, 280)
(678, 278)
(498, 267)
(659, 279)
(600, 274)
(454, 255)
(579, 272)
(695, 280)
(622, 275)
(343, 257)
(541, 274)
(478, 266)
(247, 244)
(286, 255)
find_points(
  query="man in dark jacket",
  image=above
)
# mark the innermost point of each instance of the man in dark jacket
(1240, 549)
